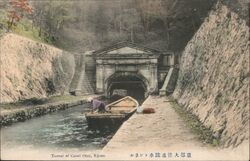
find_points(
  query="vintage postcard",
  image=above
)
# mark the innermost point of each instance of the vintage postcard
(124, 79)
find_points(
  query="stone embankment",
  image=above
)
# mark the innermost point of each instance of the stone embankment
(11, 116)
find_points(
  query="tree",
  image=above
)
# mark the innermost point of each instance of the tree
(17, 10)
(101, 21)
(89, 24)
(50, 17)
(38, 15)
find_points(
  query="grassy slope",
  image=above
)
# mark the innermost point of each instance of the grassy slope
(36, 101)
(24, 28)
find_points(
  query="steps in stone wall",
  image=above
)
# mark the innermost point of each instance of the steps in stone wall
(81, 85)
(90, 73)
(84, 86)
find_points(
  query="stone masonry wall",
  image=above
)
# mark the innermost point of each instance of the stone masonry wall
(32, 69)
(214, 76)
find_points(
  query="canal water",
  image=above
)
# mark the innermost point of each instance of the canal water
(62, 129)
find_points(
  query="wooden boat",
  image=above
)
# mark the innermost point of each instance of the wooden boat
(117, 112)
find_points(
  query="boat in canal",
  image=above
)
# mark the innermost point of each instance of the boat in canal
(117, 112)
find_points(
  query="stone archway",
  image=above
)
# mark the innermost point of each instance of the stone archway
(134, 83)
(128, 60)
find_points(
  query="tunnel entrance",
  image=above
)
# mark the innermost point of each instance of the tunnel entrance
(128, 84)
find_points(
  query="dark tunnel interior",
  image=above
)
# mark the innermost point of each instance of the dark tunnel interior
(129, 86)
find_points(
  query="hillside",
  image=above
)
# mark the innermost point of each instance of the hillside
(87, 25)
(214, 76)
(32, 69)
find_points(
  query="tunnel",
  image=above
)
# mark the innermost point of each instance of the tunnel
(133, 84)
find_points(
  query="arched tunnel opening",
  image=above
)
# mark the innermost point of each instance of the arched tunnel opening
(127, 85)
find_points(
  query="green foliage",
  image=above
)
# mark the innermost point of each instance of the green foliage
(87, 25)
(25, 28)
(39, 101)
(50, 16)
(17, 9)
(21, 103)
(3, 21)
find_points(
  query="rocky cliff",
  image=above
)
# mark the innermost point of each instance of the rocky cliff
(32, 69)
(214, 76)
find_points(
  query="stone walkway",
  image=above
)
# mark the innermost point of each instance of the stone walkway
(163, 132)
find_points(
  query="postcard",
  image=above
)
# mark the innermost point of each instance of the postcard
(124, 79)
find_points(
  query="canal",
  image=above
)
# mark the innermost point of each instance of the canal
(64, 129)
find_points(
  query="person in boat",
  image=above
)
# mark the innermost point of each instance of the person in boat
(97, 105)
